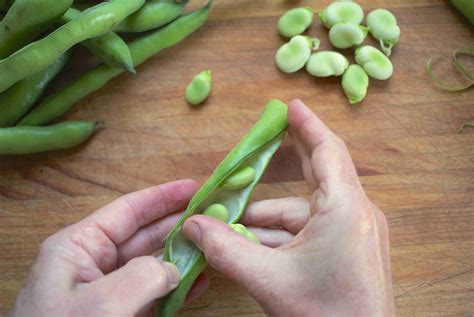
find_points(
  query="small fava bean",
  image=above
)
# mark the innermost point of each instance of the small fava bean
(383, 27)
(347, 34)
(338, 12)
(374, 62)
(295, 21)
(199, 88)
(240, 179)
(354, 83)
(292, 56)
(327, 63)
(239, 228)
(217, 211)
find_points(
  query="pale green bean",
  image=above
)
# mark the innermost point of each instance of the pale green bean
(342, 11)
(217, 211)
(292, 56)
(374, 62)
(199, 88)
(355, 82)
(347, 34)
(295, 21)
(383, 27)
(327, 63)
(240, 179)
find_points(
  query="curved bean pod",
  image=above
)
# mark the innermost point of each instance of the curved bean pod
(38, 55)
(152, 15)
(327, 63)
(141, 49)
(27, 140)
(343, 11)
(355, 82)
(25, 20)
(17, 100)
(256, 150)
(109, 47)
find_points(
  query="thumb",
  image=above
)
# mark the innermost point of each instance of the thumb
(140, 281)
(229, 252)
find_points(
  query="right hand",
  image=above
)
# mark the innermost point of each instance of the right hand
(337, 263)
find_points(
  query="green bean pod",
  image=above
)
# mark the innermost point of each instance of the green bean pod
(152, 15)
(141, 49)
(466, 7)
(25, 20)
(27, 140)
(38, 55)
(109, 47)
(255, 150)
(19, 98)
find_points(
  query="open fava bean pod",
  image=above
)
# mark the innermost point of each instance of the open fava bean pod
(255, 150)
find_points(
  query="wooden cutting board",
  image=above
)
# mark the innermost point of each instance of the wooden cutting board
(412, 161)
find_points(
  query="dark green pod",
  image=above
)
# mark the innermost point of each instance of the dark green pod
(17, 100)
(254, 150)
(27, 140)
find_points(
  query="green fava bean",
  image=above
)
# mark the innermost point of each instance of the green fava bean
(374, 62)
(142, 48)
(295, 21)
(255, 150)
(327, 63)
(240, 228)
(383, 27)
(27, 140)
(217, 211)
(355, 82)
(347, 34)
(292, 56)
(199, 88)
(343, 11)
(240, 179)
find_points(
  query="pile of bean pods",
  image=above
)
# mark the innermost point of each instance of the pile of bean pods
(344, 21)
(36, 39)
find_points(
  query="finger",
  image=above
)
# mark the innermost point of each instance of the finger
(291, 213)
(130, 288)
(199, 287)
(306, 164)
(305, 126)
(147, 239)
(124, 216)
(229, 252)
(330, 159)
(272, 238)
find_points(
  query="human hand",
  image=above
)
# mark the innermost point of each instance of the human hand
(101, 266)
(337, 264)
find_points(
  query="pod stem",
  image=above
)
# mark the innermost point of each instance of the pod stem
(315, 42)
(387, 50)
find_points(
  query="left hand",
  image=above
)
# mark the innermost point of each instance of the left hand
(101, 266)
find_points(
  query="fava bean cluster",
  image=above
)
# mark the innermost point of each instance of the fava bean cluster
(28, 63)
(344, 21)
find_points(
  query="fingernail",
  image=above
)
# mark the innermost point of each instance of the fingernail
(194, 231)
(172, 273)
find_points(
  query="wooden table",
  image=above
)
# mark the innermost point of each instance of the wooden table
(412, 161)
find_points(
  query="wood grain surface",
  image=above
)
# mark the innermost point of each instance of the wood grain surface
(403, 138)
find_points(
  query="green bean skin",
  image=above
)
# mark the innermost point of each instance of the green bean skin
(19, 98)
(25, 20)
(152, 15)
(141, 49)
(109, 47)
(38, 55)
(27, 140)
(255, 150)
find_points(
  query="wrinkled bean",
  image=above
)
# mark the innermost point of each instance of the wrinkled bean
(292, 56)
(347, 34)
(374, 62)
(355, 82)
(338, 12)
(327, 63)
